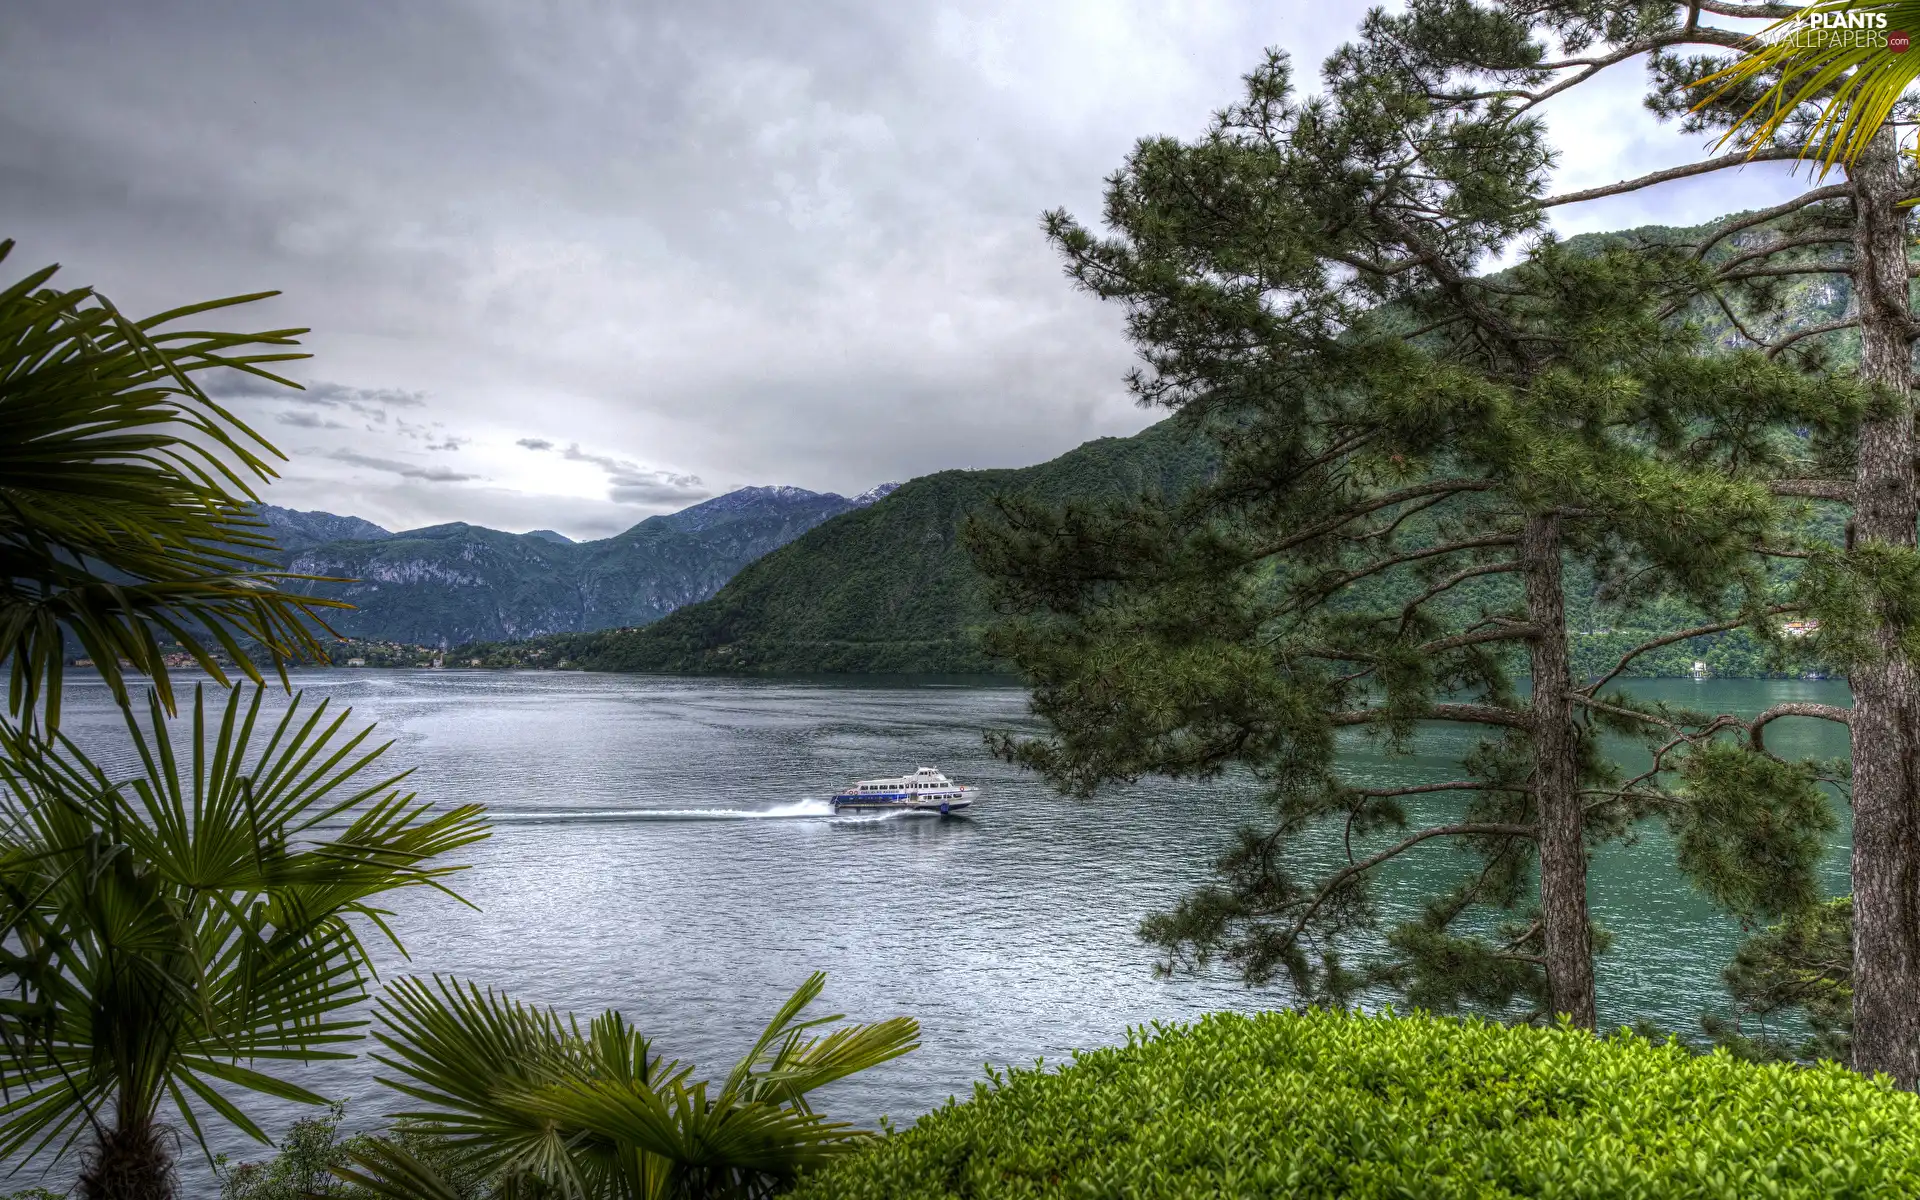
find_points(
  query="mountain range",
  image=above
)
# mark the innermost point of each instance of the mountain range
(449, 584)
(882, 589)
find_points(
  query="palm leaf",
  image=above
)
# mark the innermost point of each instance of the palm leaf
(170, 930)
(1855, 86)
(520, 1093)
(125, 497)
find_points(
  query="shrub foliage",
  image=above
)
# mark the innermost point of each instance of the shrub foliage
(1323, 1104)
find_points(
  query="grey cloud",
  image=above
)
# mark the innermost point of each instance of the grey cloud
(434, 474)
(759, 241)
(227, 384)
(631, 483)
(306, 420)
(667, 490)
(339, 393)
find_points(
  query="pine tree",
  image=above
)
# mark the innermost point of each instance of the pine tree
(1853, 231)
(1414, 454)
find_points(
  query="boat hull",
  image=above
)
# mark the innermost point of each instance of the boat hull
(937, 805)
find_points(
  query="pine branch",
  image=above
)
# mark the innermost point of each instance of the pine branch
(1453, 581)
(1698, 631)
(1400, 518)
(1510, 633)
(1586, 701)
(1692, 34)
(1733, 319)
(1834, 191)
(1397, 560)
(1433, 326)
(1333, 524)
(1825, 712)
(1472, 714)
(1462, 785)
(1759, 12)
(1774, 348)
(1735, 159)
(1843, 268)
(1659, 766)
(1830, 238)
(1333, 883)
(1461, 286)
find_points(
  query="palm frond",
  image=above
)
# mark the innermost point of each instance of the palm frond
(517, 1092)
(170, 930)
(126, 494)
(1855, 85)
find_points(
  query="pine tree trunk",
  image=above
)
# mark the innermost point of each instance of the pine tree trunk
(132, 1162)
(1563, 851)
(1886, 701)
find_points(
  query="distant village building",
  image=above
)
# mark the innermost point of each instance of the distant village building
(1798, 629)
(356, 662)
(1701, 670)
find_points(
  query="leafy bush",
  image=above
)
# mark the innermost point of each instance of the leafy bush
(313, 1147)
(1325, 1104)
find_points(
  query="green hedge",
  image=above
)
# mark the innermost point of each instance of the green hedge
(1320, 1104)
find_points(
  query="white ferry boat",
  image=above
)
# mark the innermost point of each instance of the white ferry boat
(926, 790)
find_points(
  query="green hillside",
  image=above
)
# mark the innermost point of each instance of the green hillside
(883, 589)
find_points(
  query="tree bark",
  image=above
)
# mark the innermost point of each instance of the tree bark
(1886, 814)
(130, 1162)
(1562, 834)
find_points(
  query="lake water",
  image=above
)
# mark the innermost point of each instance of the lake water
(662, 846)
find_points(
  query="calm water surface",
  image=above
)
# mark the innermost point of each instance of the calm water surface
(662, 846)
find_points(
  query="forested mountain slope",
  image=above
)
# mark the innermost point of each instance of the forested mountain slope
(883, 589)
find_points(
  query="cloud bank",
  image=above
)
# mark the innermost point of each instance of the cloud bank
(722, 244)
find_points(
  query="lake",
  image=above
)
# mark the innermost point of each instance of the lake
(662, 846)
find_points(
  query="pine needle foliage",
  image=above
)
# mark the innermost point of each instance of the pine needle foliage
(1792, 989)
(1414, 453)
(125, 493)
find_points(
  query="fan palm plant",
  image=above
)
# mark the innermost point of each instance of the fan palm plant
(125, 496)
(165, 934)
(545, 1109)
(1856, 74)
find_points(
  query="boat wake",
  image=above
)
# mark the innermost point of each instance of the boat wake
(797, 810)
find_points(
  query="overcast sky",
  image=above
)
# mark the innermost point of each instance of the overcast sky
(571, 264)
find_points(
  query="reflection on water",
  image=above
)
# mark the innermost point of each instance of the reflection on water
(663, 846)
